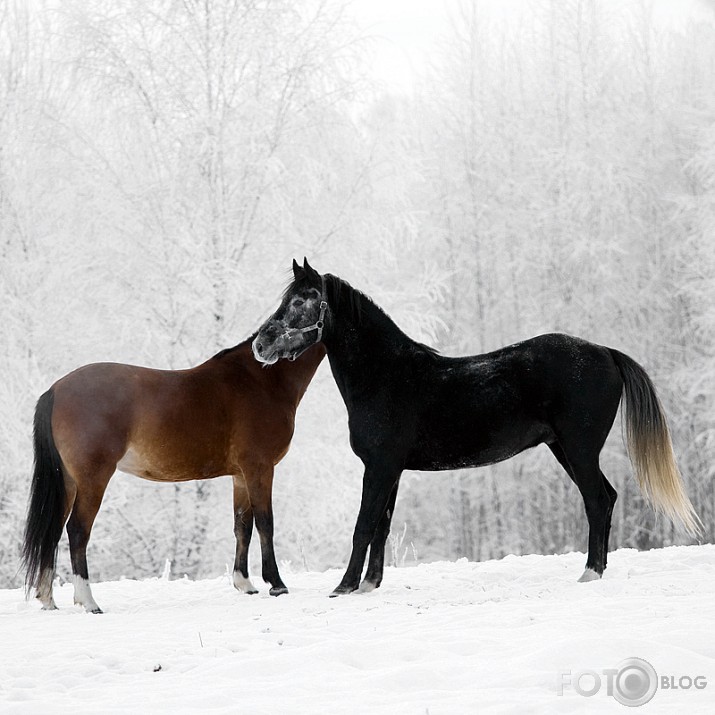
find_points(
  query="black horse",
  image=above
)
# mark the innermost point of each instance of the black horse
(411, 408)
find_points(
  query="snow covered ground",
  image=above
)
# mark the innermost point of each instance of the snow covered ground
(437, 638)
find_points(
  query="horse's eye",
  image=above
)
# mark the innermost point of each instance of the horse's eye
(298, 302)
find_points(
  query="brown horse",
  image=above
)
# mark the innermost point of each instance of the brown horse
(227, 416)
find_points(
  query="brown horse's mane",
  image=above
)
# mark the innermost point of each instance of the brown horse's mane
(226, 351)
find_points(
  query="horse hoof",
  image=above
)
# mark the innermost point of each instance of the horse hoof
(248, 591)
(367, 586)
(589, 575)
(97, 610)
(278, 590)
(341, 591)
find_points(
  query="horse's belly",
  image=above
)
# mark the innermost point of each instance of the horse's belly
(131, 463)
(163, 470)
(438, 461)
(474, 449)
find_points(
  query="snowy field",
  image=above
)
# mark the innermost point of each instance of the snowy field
(436, 638)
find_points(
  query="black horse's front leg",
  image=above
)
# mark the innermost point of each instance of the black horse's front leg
(376, 559)
(377, 488)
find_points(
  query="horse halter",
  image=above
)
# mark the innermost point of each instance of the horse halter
(319, 324)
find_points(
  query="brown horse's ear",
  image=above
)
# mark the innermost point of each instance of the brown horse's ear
(297, 270)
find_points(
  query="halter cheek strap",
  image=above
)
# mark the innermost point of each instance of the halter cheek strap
(320, 323)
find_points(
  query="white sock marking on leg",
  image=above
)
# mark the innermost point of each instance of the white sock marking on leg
(242, 583)
(44, 591)
(83, 594)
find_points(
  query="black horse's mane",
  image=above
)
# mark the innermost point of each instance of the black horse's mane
(357, 302)
(359, 306)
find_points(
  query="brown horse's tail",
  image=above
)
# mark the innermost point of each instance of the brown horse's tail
(45, 515)
(650, 447)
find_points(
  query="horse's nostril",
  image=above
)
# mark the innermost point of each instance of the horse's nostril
(258, 347)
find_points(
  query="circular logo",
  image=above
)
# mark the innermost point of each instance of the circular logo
(635, 683)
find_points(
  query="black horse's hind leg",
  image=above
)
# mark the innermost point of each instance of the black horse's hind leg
(599, 498)
(377, 488)
(612, 496)
(243, 530)
(376, 560)
(599, 507)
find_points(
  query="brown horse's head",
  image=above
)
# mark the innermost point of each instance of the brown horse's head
(299, 321)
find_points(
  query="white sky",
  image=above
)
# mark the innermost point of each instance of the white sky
(406, 31)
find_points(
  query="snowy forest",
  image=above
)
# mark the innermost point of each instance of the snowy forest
(162, 163)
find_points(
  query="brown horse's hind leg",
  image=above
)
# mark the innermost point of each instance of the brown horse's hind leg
(243, 529)
(44, 591)
(79, 527)
(259, 480)
(44, 588)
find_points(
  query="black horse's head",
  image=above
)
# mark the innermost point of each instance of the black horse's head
(299, 321)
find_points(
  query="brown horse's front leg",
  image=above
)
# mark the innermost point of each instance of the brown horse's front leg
(260, 486)
(243, 530)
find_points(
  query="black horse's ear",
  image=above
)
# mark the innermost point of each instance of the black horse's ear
(309, 269)
(297, 270)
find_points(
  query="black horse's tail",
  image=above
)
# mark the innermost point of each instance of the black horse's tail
(45, 515)
(650, 447)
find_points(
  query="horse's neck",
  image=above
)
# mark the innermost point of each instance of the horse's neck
(291, 378)
(360, 349)
(295, 376)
